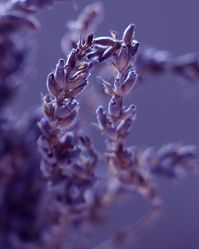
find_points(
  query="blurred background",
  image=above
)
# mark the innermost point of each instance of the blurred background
(167, 108)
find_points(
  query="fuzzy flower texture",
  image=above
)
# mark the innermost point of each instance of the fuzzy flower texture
(55, 187)
(69, 160)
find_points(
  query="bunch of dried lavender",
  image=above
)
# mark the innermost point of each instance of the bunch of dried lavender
(68, 160)
(76, 193)
(128, 169)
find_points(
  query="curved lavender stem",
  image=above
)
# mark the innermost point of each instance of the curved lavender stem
(115, 123)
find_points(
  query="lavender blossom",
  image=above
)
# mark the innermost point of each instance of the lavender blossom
(68, 158)
(116, 123)
(58, 204)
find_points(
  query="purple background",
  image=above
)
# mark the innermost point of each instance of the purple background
(168, 111)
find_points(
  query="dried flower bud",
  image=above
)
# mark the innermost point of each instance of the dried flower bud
(134, 48)
(128, 34)
(68, 140)
(115, 106)
(101, 117)
(60, 74)
(108, 89)
(44, 127)
(89, 39)
(167, 151)
(109, 52)
(129, 83)
(187, 152)
(52, 86)
(117, 83)
(130, 112)
(104, 41)
(104, 124)
(124, 128)
(73, 92)
(122, 59)
(78, 78)
(65, 122)
(85, 66)
(48, 107)
(72, 105)
(62, 112)
(148, 156)
(71, 59)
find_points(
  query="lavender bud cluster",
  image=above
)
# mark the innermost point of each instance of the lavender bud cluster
(68, 158)
(116, 122)
(151, 61)
(56, 205)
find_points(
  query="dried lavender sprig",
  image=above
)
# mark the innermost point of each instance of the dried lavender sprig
(68, 158)
(151, 61)
(172, 160)
(125, 165)
(87, 21)
(115, 124)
